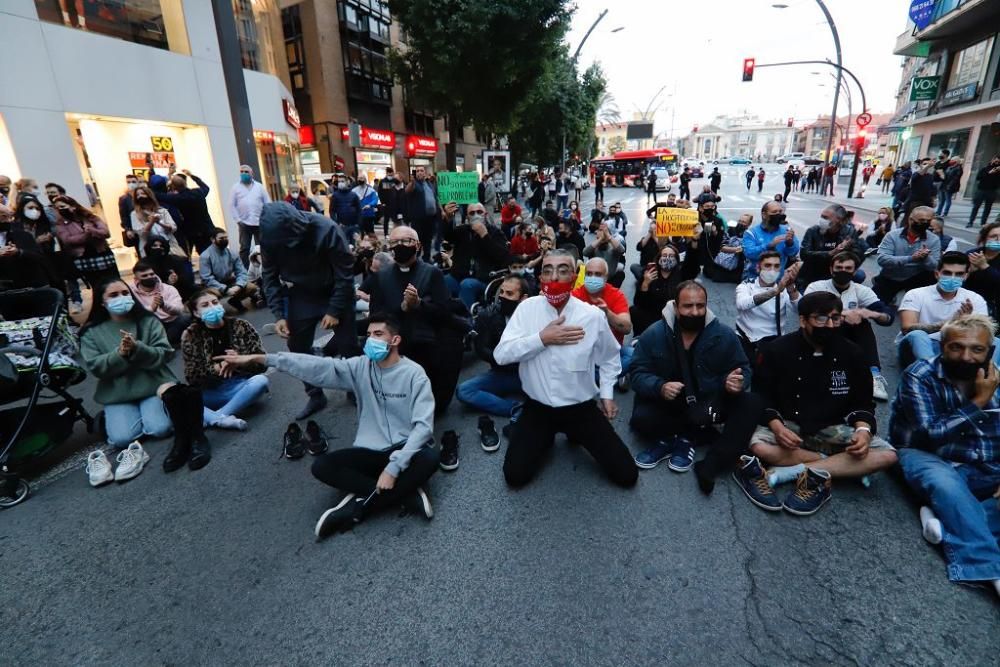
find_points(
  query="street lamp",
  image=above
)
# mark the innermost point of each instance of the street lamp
(576, 54)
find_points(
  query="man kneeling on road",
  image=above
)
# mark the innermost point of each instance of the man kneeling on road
(558, 340)
(690, 375)
(392, 457)
(946, 421)
(819, 413)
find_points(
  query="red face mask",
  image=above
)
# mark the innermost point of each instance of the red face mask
(557, 293)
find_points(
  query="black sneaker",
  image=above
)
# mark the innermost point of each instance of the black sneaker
(315, 438)
(294, 448)
(488, 434)
(346, 514)
(752, 478)
(449, 451)
(419, 503)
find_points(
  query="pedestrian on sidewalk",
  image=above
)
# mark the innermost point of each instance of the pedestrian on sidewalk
(715, 179)
(922, 187)
(749, 175)
(788, 177)
(760, 180)
(949, 186)
(685, 190)
(886, 178)
(987, 185)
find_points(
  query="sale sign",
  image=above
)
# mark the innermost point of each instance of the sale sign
(675, 221)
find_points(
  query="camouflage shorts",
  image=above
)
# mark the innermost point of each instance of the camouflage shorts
(830, 440)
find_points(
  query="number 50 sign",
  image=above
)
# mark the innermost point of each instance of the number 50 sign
(162, 144)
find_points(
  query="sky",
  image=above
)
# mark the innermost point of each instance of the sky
(697, 47)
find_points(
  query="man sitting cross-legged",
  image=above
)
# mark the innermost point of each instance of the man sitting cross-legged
(392, 457)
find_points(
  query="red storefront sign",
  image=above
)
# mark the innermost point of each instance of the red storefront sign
(417, 146)
(307, 136)
(370, 138)
(291, 113)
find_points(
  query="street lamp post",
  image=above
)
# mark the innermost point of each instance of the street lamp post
(576, 54)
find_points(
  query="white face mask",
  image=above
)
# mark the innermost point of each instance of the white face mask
(32, 213)
(770, 276)
(132, 186)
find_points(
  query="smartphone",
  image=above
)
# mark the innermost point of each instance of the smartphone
(989, 359)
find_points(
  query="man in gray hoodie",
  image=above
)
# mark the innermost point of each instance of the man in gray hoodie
(392, 457)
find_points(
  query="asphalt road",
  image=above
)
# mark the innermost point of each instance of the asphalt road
(220, 566)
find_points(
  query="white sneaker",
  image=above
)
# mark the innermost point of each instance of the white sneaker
(880, 388)
(99, 469)
(131, 461)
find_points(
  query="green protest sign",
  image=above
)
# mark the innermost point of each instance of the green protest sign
(459, 187)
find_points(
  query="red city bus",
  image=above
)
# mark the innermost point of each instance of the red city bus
(622, 168)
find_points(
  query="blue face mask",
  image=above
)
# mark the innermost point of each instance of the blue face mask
(593, 284)
(993, 245)
(245, 178)
(949, 284)
(120, 305)
(213, 314)
(376, 349)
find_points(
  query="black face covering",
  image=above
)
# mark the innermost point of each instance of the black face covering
(691, 322)
(148, 282)
(776, 219)
(223, 244)
(842, 277)
(157, 251)
(507, 306)
(404, 253)
(963, 371)
(823, 336)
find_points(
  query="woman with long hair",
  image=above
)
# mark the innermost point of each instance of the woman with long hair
(30, 218)
(212, 334)
(148, 218)
(126, 348)
(84, 239)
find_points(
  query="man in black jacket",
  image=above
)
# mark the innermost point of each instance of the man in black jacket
(129, 237)
(987, 186)
(819, 417)
(478, 249)
(833, 234)
(307, 271)
(422, 210)
(197, 225)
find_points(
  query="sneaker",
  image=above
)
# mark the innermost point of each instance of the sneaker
(880, 388)
(131, 461)
(682, 456)
(650, 458)
(752, 478)
(293, 448)
(315, 438)
(269, 329)
(315, 403)
(870, 251)
(345, 515)
(99, 469)
(449, 451)
(488, 434)
(812, 489)
(419, 503)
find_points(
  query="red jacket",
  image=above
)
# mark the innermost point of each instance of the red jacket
(508, 213)
(521, 245)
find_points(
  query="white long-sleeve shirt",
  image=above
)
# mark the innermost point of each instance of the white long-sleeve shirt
(758, 321)
(560, 375)
(247, 201)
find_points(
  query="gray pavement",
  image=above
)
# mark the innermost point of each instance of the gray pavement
(220, 566)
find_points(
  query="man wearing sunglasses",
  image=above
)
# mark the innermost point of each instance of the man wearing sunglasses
(819, 415)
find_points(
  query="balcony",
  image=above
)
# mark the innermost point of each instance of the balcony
(951, 18)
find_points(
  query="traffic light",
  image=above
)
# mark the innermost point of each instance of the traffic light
(748, 69)
(861, 140)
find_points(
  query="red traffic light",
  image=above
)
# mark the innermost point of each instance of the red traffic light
(748, 64)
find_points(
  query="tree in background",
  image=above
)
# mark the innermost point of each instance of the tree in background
(477, 62)
(616, 143)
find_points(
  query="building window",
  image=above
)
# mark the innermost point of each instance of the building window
(364, 28)
(291, 24)
(254, 33)
(155, 23)
(970, 64)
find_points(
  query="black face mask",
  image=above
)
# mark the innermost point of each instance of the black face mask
(823, 336)
(223, 244)
(709, 213)
(404, 253)
(507, 306)
(148, 282)
(920, 229)
(157, 252)
(776, 220)
(691, 322)
(964, 371)
(842, 277)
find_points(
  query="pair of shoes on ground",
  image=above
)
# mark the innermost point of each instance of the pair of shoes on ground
(350, 511)
(813, 488)
(678, 451)
(489, 439)
(295, 445)
(195, 453)
(131, 462)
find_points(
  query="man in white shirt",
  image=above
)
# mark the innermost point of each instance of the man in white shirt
(246, 201)
(924, 310)
(763, 303)
(861, 308)
(558, 340)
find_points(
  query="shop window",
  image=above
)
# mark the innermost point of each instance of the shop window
(969, 65)
(156, 23)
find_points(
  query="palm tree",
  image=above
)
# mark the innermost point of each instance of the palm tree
(607, 109)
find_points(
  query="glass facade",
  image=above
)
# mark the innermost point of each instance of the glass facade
(156, 23)
(969, 65)
(364, 32)
(253, 28)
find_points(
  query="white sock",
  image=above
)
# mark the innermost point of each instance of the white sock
(66, 18)
(784, 474)
(231, 422)
(82, 21)
(931, 525)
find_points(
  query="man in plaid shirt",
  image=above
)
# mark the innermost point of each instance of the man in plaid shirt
(946, 423)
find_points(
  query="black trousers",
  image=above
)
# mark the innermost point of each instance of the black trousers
(343, 344)
(685, 192)
(864, 336)
(426, 228)
(442, 361)
(886, 289)
(356, 469)
(533, 435)
(741, 413)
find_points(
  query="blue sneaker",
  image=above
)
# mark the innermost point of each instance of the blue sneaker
(752, 478)
(812, 490)
(648, 459)
(682, 456)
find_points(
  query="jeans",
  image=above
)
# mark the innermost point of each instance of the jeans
(626, 354)
(248, 234)
(356, 469)
(488, 392)
(125, 422)
(961, 498)
(984, 198)
(469, 291)
(232, 395)
(944, 201)
(563, 202)
(175, 328)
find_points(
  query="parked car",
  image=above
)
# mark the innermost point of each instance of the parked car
(697, 170)
(812, 160)
(739, 160)
(788, 157)
(722, 160)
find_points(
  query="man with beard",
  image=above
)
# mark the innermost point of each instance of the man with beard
(773, 233)
(308, 278)
(833, 234)
(558, 340)
(819, 416)
(946, 421)
(908, 256)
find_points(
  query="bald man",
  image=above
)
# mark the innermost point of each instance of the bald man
(908, 256)
(415, 292)
(246, 201)
(597, 291)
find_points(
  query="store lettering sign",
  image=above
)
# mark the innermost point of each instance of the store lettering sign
(264, 135)
(921, 12)
(291, 113)
(421, 146)
(960, 94)
(924, 88)
(381, 139)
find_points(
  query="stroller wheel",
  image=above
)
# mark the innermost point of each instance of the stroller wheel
(13, 490)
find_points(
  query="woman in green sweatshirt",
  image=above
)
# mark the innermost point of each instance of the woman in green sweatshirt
(126, 348)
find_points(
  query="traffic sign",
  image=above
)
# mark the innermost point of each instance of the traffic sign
(864, 119)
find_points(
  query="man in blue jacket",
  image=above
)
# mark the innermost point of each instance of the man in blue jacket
(690, 376)
(773, 233)
(345, 208)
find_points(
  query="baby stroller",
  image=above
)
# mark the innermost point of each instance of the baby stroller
(37, 364)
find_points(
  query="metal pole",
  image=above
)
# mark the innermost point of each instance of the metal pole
(576, 54)
(236, 88)
(836, 92)
(854, 168)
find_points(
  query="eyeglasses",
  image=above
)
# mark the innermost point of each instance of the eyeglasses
(823, 320)
(561, 271)
(403, 242)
